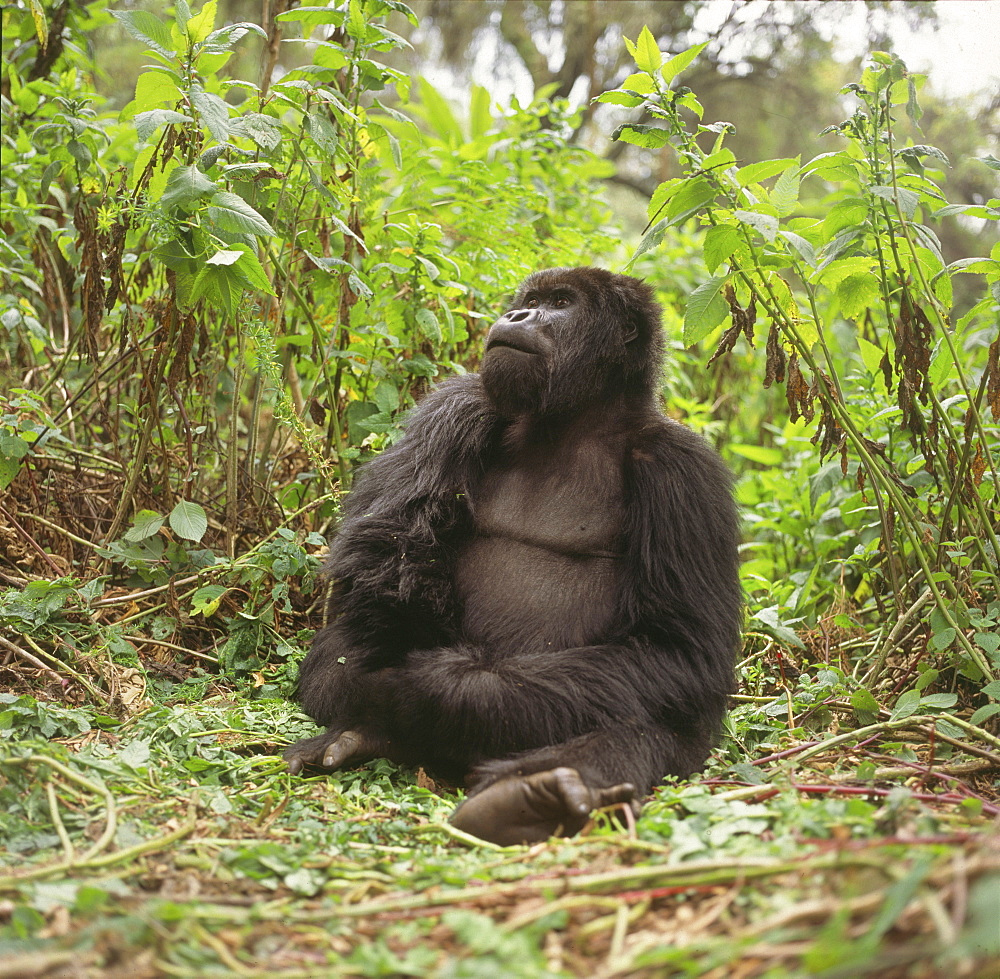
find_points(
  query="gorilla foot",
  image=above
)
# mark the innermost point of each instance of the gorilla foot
(531, 808)
(334, 749)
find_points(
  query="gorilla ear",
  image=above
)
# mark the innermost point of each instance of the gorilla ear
(631, 332)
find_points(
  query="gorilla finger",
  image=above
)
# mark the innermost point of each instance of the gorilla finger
(342, 749)
(294, 765)
(576, 795)
(614, 795)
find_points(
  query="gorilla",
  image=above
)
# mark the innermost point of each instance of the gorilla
(535, 590)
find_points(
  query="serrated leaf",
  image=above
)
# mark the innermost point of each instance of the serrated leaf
(230, 212)
(620, 98)
(189, 520)
(801, 245)
(213, 111)
(785, 193)
(145, 524)
(765, 224)
(648, 137)
(147, 28)
(756, 172)
(146, 123)
(907, 705)
(186, 184)
(908, 200)
(647, 52)
(429, 325)
(702, 313)
(200, 26)
(679, 62)
(720, 242)
(205, 601)
(856, 293)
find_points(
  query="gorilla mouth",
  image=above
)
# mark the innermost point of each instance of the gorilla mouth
(509, 345)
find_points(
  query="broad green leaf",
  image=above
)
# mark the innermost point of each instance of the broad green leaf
(189, 520)
(153, 88)
(871, 356)
(908, 200)
(145, 524)
(907, 705)
(620, 98)
(765, 224)
(756, 172)
(249, 269)
(690, 199)
(647, 52)
(224, 258)
(705, 310)
(639, 82)
(428, 324)
(679, 62)
(841, 268)
(856, 293)
(762, 454)
(186, 184)
(939, 701)
(230, 212)
(785, 193)
(213, 111)
(200, 26)
(205, 601)
(147, 28)
(146, 123)
(649, 137)
(801, 245)
(720, 242)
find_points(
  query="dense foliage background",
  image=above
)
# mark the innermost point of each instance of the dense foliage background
(235, 252)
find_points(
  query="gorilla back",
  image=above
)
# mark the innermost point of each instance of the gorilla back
(535, 589)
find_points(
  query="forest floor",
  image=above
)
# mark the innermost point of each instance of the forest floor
(174, 843)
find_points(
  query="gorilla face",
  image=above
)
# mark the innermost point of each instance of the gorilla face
(570, 337)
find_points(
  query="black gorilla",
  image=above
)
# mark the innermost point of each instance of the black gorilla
(536, 588)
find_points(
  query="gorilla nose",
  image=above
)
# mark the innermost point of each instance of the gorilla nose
(522, 316)
(516, 333)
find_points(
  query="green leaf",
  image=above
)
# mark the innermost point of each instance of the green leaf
(146, 123)
(785, 193)
(145, 524)
(984, 714)
(189, 520)
(907, 705)
(721, 241)
(229, 212)
(679, 62)
(200, 26)
(620, 98)
(205, 601)
(705, 310)
(184, 185)
(648, 137)
(153, 88)
(647, 52)
(857, 293)
(213, 111)
(428, 324)
(940, 701)
(766, 224)
(638, 82)
(803, 247)
(756, 172)
(147, 28)
(908, 200)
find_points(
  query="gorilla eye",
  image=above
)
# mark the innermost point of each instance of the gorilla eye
(561, 302)
(532, 303)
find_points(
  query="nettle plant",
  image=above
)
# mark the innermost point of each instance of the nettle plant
(856, 306)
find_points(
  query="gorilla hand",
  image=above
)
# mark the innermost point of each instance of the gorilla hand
(333, 749)
(531, 808)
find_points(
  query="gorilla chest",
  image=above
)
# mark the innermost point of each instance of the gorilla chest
(543, 565)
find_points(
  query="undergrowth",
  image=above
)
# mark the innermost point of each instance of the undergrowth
(218, 302)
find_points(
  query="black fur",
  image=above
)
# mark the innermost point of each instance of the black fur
(543, 571)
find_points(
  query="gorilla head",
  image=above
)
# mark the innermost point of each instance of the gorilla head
(572, 338)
